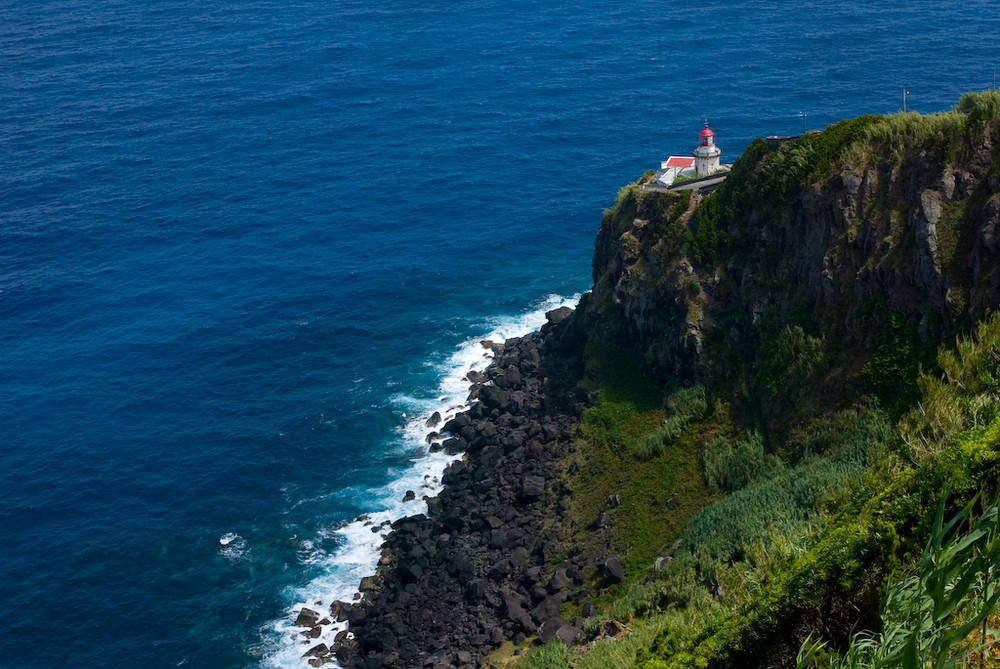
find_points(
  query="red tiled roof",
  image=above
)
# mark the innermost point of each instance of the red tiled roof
(680, 161)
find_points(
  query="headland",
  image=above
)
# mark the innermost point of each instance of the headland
(733, 452)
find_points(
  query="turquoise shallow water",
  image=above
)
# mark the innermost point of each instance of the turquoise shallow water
(243, 246)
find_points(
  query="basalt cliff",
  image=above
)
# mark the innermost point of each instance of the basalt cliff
(733, 452)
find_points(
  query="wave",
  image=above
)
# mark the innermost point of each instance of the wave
(340, 571)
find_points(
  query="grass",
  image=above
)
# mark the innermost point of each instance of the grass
(943, 615)
(683, 407)
(656, 495)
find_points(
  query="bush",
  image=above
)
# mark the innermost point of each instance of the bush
(939, 616)
(891, 373)
(730, 466)
(791, 361)
(965, 396)
(773, 503)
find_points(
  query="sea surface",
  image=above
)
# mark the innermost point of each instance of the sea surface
(247, 248)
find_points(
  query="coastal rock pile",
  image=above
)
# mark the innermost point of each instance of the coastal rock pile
(454, 584)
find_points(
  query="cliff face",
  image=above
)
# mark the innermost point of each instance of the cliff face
(870, 223)
(768, 503)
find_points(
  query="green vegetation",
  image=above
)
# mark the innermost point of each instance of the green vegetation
(782, 504)
(815, 541)
(655, 494)
(552, 655)
(942, 615)
(683, 406)
(681, 178)
(763, 181)
(891, 372)
(731, 465)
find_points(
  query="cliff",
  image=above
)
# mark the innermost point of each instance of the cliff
(738, 441)
(836, 231)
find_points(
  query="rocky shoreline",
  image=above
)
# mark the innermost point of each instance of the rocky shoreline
(479, 569)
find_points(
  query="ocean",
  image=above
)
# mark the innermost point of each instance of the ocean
(248, 248)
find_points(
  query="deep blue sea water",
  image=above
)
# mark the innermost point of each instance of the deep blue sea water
(247, 247)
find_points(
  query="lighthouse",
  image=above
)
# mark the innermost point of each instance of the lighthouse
(706, 154)
(702, 162)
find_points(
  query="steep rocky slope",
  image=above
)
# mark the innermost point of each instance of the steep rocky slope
(741, 435)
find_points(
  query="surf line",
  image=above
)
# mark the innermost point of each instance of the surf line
(311, 627)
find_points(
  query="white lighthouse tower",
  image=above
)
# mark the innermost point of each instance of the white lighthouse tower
(706, 155)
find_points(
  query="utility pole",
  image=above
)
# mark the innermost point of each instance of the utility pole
(904, 100)
(803, 115)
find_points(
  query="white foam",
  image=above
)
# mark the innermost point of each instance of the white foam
(341, 571)
(232, 546)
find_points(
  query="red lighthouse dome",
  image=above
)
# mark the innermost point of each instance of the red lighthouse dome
(706, 137)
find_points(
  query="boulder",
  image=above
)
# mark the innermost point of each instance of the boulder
(519, 557)
(614, 572)
(548, 630)
(558, 581)
(409, 496)
(452, 446)
(512, 604)
(499, 569)
(356, 615)
(569, 634)
(526, 624)
(338, 610)
(455, 425)
(410, 573)
(307, 618)
(434, 420)
(547, 609)
(317, 651)
(493, 397)
(475, 590)
(558, 315)
(532, 486)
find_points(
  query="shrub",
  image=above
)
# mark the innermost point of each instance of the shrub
(891, 373)
(937, 617)
(730, 466)
(790, 361)
(966, 395)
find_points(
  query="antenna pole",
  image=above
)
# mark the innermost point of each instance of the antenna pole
(904, 100)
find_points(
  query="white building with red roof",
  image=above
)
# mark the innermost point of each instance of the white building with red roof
(703, 161)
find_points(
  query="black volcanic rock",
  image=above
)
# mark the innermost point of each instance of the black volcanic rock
(458, 582)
